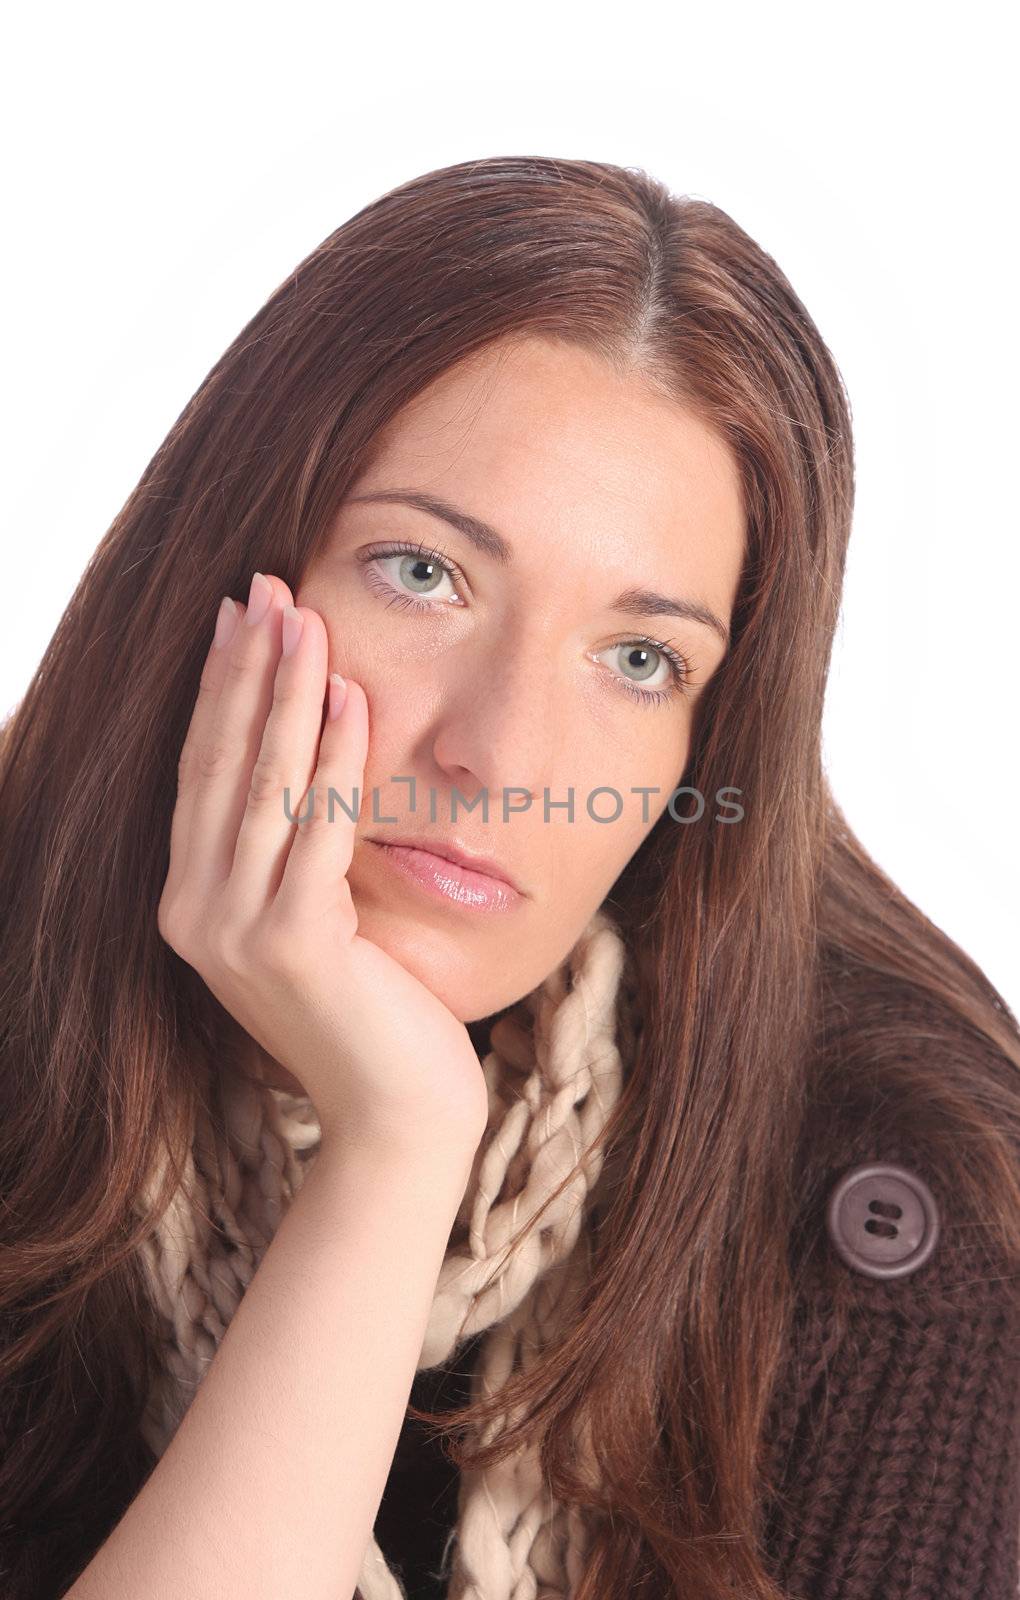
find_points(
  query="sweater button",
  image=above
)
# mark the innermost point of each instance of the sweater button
(883, 1220)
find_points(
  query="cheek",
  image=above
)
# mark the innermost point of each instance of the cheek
(631, 777)
(395, 725)
(355, 652)
(582, 858)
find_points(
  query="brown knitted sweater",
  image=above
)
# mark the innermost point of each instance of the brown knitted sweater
(897, 1421)
(894, 1424)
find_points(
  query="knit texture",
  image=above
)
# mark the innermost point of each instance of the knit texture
(554, 1071)
(895, 1425)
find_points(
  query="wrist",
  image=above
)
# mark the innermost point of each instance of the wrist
(444, 1163)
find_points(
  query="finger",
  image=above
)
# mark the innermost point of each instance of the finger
(286, 761)
(230, 744)
(230, 614)
(323, 844)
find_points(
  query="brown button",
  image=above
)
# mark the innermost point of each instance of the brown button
(883, 1220)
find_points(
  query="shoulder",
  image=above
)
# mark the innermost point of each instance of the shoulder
(888, 1225)
(909, 1167)
(895, 1423)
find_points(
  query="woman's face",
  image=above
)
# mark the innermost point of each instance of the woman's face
(513, 664)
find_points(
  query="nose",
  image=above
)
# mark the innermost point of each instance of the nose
(496, 728)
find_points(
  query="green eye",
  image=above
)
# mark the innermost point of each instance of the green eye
(642, 669)
(419, 572)
(416, 571)
(643, 658)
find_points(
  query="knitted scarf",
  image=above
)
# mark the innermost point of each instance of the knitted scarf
(554, 1070)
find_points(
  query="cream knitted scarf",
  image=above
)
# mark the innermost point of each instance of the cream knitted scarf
(554, 1070)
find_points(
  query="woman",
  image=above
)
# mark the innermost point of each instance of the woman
(675, 1136)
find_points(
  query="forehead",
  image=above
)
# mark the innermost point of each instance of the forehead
(548, 442)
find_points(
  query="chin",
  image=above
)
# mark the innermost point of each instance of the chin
(463, 965)
(441, 964)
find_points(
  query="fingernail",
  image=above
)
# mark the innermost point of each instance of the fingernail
(337, 695)
(259, 598)
(226, 622)
(293, 622)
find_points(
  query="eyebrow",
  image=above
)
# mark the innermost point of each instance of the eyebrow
(632, 602)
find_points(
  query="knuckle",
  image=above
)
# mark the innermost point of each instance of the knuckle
(206, 683)
(173, 924)
(268, 780)
(236, 666)
(213, 758)
(285, 691)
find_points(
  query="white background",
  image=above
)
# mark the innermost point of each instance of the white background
(166, 167)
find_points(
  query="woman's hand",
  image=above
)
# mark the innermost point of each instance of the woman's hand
(260, 906)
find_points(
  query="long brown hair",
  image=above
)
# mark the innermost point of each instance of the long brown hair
(774, 955)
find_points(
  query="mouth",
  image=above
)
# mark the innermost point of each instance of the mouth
(453, 874)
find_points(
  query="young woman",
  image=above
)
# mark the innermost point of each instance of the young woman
(431, 947)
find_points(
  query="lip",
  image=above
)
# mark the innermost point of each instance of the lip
(456, 853)
(455, 874)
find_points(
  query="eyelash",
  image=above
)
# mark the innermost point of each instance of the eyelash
(681, 667)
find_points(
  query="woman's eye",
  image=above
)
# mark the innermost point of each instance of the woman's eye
(413, 577)
(648, 671)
